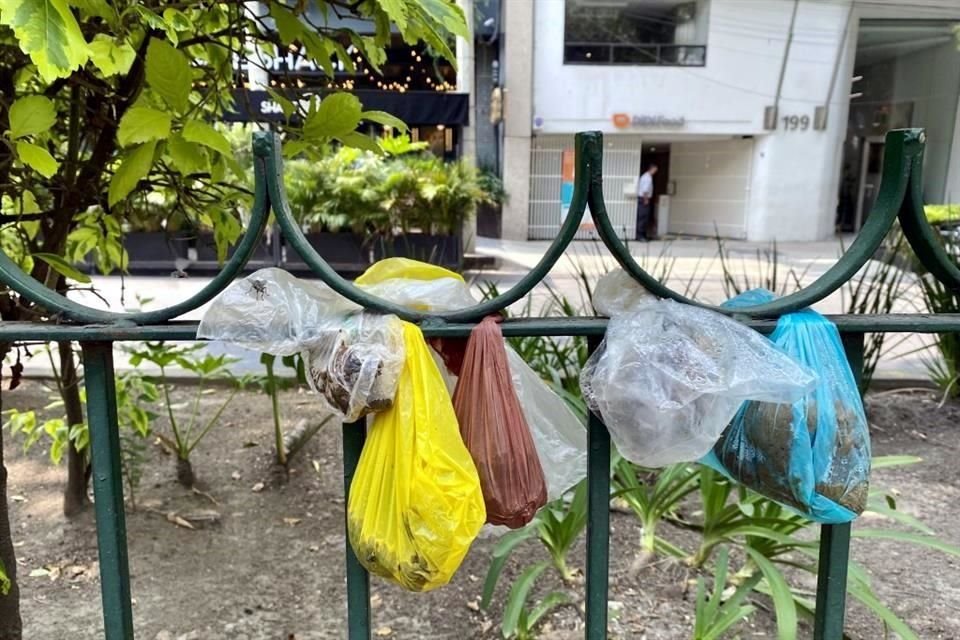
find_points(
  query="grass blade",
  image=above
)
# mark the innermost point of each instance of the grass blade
(780, 593)
(518, 597)
(500, 554)
(912, 538)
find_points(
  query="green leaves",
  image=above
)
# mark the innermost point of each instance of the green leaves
(133, 168)
(143, 124)
(715, 616)
(31, 115)
(386, 119)
(48, 32)
(501, 552)
(202, 133)
(110, 57)
(337, 116)
(5, 582)
(187, 157)
(518, 598)
(37, 158)
(288, 25)
(61, 266)
(168, 73)
(780, 593)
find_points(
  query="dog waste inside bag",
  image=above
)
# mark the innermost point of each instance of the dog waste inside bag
(415, 503)
(669, 377)
(814, 454)
(495, 431)
(353, 358)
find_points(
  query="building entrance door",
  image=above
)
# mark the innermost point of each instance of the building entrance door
(658, 154)
(871, 165)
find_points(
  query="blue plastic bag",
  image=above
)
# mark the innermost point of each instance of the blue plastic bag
(814, 455)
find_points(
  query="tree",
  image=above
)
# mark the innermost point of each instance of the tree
(107, 112)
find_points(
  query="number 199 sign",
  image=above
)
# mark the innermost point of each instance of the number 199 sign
(566, 191)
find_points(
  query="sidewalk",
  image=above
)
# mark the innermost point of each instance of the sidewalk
(692, 264)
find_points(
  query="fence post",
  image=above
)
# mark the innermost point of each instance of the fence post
(358, 580)
(108, 489)
(598, 521)
(835, 540)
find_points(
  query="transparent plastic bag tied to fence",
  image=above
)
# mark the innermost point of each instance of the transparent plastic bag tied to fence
(669, 377)
(559, 435)
(415, 503)
(495, 431)
(353, 359)
(814, 454)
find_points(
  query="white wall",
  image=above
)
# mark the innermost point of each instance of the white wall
(712, 182)
(796, 173)
(725, 96)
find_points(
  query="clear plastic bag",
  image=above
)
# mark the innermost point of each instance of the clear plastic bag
(669, 377)
(353, 359)
(812, 455)
(355, 369)
(616, 292)
(495, 431)
(415, 503)
(559, 435)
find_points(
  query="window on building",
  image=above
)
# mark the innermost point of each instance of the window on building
(635, 32)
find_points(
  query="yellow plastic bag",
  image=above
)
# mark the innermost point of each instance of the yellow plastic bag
(415, 503)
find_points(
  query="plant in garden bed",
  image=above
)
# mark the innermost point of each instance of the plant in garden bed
(286, 445)
(717, 613)
(519, 619)
(134, 417)
(653, 495)
(944, 364)
(770, 536)
(190, 429)
(557, 526)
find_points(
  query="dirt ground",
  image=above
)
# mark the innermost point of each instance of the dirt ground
(272, 567)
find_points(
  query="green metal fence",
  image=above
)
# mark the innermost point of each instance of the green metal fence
(900, 198)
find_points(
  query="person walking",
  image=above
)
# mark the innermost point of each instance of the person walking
(645, 200)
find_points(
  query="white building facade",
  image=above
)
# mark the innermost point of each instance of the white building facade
(750, 108)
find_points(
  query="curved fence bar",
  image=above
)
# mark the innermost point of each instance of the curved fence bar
(922, 236)
(904, 148)
(587, 151)
(65, 309)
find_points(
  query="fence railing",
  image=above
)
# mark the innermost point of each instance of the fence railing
(899, 199)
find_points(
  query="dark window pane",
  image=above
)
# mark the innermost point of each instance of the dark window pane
(641, 32)
(683, 55)
(598, 54)
(635, 54)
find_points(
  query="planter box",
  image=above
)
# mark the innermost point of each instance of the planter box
(206, 247)
(444, 250)
(489, 220)
(344, 251)
(155, 250)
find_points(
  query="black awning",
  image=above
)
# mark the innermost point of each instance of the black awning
(416, 108)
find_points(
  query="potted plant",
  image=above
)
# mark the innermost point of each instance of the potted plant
(490, 210)
(428, 218)
(334, 202)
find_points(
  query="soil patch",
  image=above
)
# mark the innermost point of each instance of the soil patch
(268, 563)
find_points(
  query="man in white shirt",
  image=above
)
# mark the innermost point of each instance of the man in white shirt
(645, 200)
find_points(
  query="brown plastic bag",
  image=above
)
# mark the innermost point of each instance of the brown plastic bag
(495, 431)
